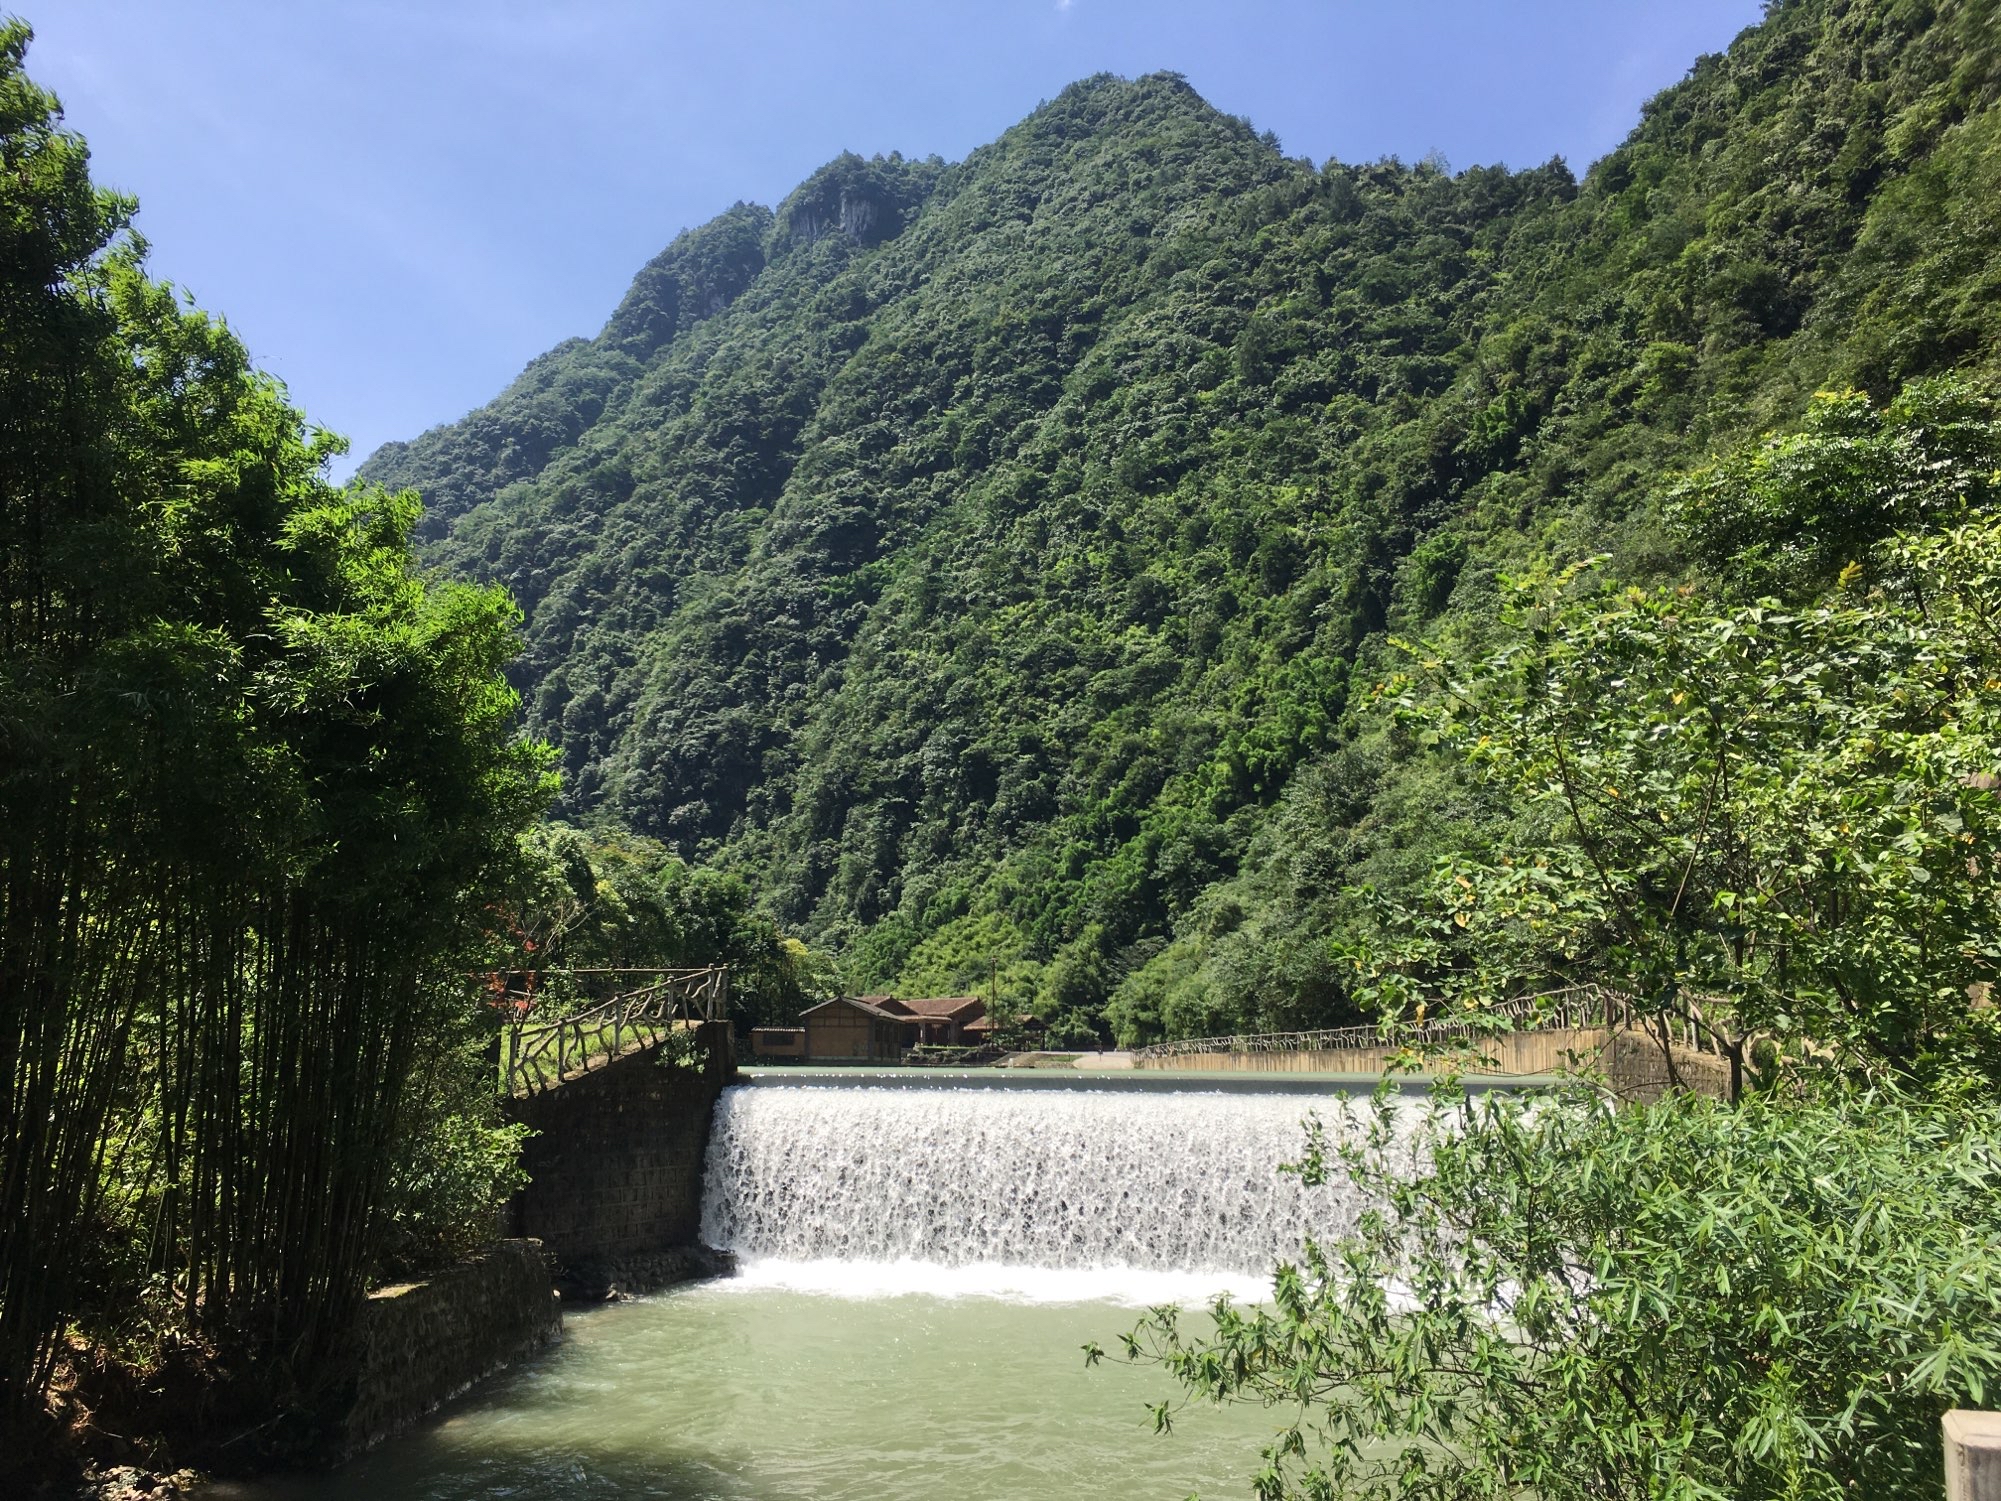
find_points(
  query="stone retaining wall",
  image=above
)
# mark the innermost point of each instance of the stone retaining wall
(422, 1343)
(615, 1166)
(1632, 1063)
(1639, 1072)
(614, 1204)
(1514, 1053)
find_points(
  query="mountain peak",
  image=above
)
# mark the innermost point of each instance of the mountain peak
(866, 200)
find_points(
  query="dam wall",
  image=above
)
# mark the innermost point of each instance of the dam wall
(615, 1166)
(1631, 1063)
(1556, 1051)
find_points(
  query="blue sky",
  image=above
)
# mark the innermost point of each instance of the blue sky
(398, 203)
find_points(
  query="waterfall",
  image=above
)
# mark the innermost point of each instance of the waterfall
(1098, 1180)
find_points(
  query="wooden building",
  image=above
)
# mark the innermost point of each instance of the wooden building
(778, 1042)
(880, 1028)
(942, 1019)
(851, 1030)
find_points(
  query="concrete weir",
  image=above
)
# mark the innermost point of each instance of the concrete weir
(1631, 1064)
(639, 1161)
(1104, 1181)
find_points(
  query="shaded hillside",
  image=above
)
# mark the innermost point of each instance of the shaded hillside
(986, 558)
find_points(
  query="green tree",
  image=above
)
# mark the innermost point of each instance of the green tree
(607, 898)
(257, 769)
(1752, 820)
(1768, 1302)
(1786, 516)
(61, 1037)
(1758, 820)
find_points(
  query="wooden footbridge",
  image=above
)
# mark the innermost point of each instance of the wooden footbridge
(555, 1033)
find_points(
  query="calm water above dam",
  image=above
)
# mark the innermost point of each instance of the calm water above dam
(921, 1265)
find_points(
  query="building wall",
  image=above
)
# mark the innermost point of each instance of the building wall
(837, 1033)
(843, 1034)
(778, 1042)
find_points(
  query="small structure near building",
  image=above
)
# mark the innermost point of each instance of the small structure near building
(778, 1042)
(941, 1021)
(981, 1029)
(880, 1028)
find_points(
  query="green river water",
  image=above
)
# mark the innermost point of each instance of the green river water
(754, 1392)
(922, 1259)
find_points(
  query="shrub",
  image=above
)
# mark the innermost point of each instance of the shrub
(1774, 1299)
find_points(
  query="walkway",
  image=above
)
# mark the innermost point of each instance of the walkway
(542, 1055)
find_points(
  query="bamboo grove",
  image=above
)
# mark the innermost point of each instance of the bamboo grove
(255, 772)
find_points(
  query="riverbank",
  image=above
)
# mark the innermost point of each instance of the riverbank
(150, 1426)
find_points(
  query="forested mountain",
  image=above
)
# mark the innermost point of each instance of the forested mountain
(993, 561)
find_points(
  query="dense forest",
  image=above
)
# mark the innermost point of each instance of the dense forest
(997, 561)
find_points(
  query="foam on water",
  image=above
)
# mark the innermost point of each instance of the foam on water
(1124, 1287)
(1030, 1195)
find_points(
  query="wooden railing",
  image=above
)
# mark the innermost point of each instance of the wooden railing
(539, 1053)
(1577, 1006)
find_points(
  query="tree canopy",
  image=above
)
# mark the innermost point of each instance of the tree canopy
(256, 767)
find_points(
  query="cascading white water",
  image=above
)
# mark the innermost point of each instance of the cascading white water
(1101, 1180)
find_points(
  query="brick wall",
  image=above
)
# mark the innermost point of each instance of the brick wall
(615, 1166)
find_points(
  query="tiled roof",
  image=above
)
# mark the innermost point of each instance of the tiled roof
(859, 1003)
(963, 1009)
(986, 1023)
(947, 1007)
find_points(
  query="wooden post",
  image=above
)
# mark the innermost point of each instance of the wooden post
(1972, 1456)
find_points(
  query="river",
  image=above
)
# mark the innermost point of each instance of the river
(749, 1391)
(920, 1269)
